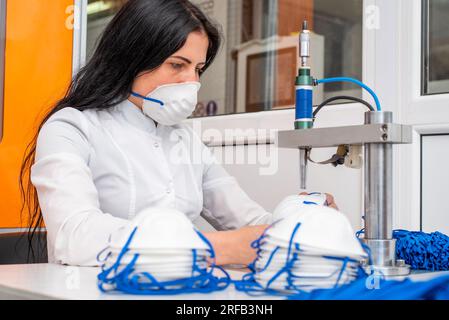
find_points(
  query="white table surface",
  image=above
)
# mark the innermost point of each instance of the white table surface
(52, 281)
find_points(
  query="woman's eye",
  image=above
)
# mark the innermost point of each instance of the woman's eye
(177, 66)
(200, 71)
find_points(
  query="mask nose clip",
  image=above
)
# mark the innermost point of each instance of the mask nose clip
(135, 94)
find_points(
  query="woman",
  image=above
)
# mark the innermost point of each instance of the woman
(105, 151)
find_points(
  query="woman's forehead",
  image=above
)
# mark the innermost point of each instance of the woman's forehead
(195, 48)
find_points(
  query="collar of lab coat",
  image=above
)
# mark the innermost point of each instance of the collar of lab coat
(136, 117)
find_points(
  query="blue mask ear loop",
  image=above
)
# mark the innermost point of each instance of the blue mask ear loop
(121, 281)
(124, 250)
(204, 282)
(148, 99)
(256, 244)
(103, 276)
(248, 284)
(358, 233)
(103, 260)
(362, 272)
(164, 285)
(288, 262)
(226, 281)
(345, 260)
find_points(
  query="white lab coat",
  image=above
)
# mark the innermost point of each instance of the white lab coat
(96, 169)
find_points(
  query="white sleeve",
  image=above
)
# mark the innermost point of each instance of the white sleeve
(77, 230)
(226, 205)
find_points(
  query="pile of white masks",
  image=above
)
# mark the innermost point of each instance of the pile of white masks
(159, 252)
(309, 246)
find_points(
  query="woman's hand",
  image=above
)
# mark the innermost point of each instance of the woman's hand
(329, 199)
(234, 246)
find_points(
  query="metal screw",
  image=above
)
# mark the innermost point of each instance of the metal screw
(400, 262)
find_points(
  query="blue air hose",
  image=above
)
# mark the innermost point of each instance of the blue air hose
(355, 81)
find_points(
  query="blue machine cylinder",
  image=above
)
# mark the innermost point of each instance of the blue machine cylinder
(304, 97)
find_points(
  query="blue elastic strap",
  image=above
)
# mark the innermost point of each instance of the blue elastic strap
(143, 283)
(148, 99)
(355, 81)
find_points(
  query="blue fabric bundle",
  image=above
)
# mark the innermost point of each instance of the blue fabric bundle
(423, 251)
(363, 289)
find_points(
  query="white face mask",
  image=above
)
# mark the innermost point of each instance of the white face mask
(172, 103)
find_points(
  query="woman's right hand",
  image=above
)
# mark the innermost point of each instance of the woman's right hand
(234, 246)
(329, 200)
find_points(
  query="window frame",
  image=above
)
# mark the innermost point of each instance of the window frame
(418, 109)
(79, 36)
(425, 54)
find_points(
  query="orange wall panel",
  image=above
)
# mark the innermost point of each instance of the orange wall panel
(38, 67)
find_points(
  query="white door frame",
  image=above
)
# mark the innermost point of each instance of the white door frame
(79, 35)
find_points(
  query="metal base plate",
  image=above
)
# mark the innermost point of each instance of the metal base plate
(400, 269)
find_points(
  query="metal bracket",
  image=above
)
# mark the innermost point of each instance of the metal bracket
(389, 133)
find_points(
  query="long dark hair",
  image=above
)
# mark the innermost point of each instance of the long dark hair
(140, 37)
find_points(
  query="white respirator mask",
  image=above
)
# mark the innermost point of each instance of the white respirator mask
(172, 103)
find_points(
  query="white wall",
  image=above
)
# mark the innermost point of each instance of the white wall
(435, 183)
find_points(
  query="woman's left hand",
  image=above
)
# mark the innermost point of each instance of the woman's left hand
(329, 199)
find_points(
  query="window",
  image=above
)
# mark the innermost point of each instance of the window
(2, 60)
(258, 63)
(257, 68)
(435, 47)
(99, 14)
